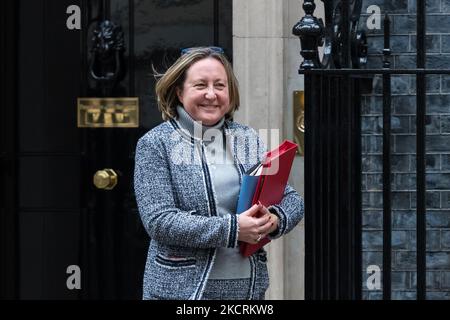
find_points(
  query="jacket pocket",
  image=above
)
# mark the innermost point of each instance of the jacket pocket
(174, 261)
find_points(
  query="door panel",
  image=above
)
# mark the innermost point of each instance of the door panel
(49, 79)
(49, 181)
(49, 243)
(62, 218)
(48, 150)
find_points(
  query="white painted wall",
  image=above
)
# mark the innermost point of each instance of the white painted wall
(266, 57)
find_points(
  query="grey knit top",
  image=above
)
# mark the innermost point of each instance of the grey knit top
(229, 263)
(178, 209)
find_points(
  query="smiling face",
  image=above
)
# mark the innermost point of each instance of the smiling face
(205, 94)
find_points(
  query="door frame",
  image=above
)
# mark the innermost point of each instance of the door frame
(8, 149)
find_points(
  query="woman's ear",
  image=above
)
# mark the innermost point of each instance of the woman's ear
(179, 92)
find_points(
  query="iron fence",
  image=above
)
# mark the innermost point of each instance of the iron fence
(333, 89)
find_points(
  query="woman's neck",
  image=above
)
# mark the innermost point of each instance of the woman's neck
(193, 126)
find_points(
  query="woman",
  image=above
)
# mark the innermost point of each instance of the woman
(187, 179)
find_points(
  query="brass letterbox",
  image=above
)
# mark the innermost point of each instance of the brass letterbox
(108, 112)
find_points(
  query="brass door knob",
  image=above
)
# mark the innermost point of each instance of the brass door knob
(105, 179)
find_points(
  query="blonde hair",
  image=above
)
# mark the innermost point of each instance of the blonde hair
(174, 77)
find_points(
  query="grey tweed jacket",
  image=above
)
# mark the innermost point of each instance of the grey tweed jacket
(177, 206)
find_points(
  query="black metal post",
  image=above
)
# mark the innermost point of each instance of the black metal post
(309, 30)
(332, 196)
(387, 230)
(335, 182)
(345, 9)
(327, 106)
(9, 254)
(345, 207)
(332, 166)
(420, 152)
(319, 166)
(106, 9)
(311, 278)
(356, 289)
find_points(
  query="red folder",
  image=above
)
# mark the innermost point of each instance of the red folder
(271, 184)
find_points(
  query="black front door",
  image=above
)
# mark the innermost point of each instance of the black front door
(67, 228)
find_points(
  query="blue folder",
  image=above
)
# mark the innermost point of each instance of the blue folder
(248, 186)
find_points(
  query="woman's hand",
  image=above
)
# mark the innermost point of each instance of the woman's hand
(253, 226)
(274, 225)
(273, 218)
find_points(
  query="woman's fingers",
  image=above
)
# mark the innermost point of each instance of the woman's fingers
(265, 227)
(264, 217)
(264, 210)
(253, 210)
(254, 224)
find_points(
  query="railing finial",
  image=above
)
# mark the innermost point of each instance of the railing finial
(309, 6)
(310, 31)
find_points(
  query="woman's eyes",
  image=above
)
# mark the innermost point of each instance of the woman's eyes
(203, 86)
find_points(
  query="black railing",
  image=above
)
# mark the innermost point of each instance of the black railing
(420, 158)
(387, 199)
(333, 87)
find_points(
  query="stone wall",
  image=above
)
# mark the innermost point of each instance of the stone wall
(403, 148)
(266, 59)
